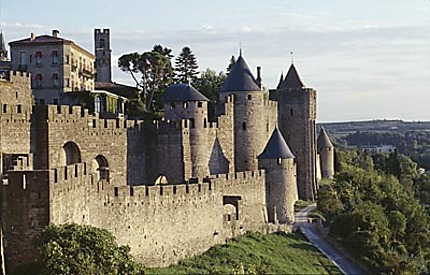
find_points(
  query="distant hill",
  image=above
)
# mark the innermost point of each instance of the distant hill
(345, 128)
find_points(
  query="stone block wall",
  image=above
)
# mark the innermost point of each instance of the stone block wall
(297, 115)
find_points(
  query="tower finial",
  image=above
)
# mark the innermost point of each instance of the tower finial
(240, 49)
(292, 57)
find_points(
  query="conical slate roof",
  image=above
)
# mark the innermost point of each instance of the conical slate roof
(183, 93)
(323, 140)
(292, 80)
(281, 79)
(240, 78)
(3, 51)
(276, 148)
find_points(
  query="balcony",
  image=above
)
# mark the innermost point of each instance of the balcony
(86, 73)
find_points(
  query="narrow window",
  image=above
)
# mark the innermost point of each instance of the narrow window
(244, 126)
(249, 97)
(199, 104)
(4, 108)
(38, 58)
(291, 112)
(39, 80)
(55, 80)
(54, 57)
(19, 108)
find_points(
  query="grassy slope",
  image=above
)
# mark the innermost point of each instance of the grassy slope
(276, 254)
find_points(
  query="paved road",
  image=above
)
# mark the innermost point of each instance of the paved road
(309, 230)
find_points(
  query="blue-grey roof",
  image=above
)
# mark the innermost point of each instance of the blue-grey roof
(323, 140)
(292, 80)
(182, 93)
(240, 78)
(276, 148)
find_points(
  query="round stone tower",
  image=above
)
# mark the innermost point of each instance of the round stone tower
(183, 101)
(253, 115)
(281, 183)
(326, 153)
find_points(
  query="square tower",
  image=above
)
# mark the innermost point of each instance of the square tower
(103, 55)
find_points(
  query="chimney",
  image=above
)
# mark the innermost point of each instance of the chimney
(32, 36)
(55, 33)
(259, 76)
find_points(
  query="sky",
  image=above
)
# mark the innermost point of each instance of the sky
(367, 59)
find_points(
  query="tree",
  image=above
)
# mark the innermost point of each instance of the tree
(82, 249)
(231, 64)
(186, 66)
(209, 83)
(163, 51)
(155, 69)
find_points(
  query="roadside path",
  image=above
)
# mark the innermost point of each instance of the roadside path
(315, 237)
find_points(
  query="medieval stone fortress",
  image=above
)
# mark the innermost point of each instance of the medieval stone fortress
(169, 188)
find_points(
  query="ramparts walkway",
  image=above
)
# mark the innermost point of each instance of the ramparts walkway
(316, 238)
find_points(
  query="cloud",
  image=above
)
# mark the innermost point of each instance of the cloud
(361, 70)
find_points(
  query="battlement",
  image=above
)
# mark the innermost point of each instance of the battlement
(73, 114)
(70, 175)
(151, 194)
(106, 31)
(270, 103)
(17, 78)
(238, 178)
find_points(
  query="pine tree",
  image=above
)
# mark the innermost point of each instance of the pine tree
(186, 66)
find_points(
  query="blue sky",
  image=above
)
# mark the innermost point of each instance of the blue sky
(367, 59)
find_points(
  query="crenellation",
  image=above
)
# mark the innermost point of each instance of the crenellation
(165, 185)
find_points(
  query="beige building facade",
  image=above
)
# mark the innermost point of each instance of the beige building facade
(57, 66)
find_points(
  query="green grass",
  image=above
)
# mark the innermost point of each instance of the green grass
(258, 254)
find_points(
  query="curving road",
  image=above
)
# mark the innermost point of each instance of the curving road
(315, 237)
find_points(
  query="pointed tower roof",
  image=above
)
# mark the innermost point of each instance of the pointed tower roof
(323, 140)
(276, 147)
(292, 80)
(240, 78)
(182, 93)
(281, 79)
(3, 50)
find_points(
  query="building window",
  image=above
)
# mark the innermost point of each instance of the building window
(55, 80)
(244, 126)
(291, 112)
(54, 57)
(67, 82)
(38, 80)
(19, 108)
(22, 58)
(67, 59)
(102, 43)
(199, 104)
(4, 108)
(249, 97)
(97, 104)
(38, 58)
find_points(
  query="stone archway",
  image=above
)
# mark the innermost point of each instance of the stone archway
(101, 168)
(161, 180)
(69, 154)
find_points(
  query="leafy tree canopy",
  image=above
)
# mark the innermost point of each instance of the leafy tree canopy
(373, 208)
(82, 249)
(156, 73)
